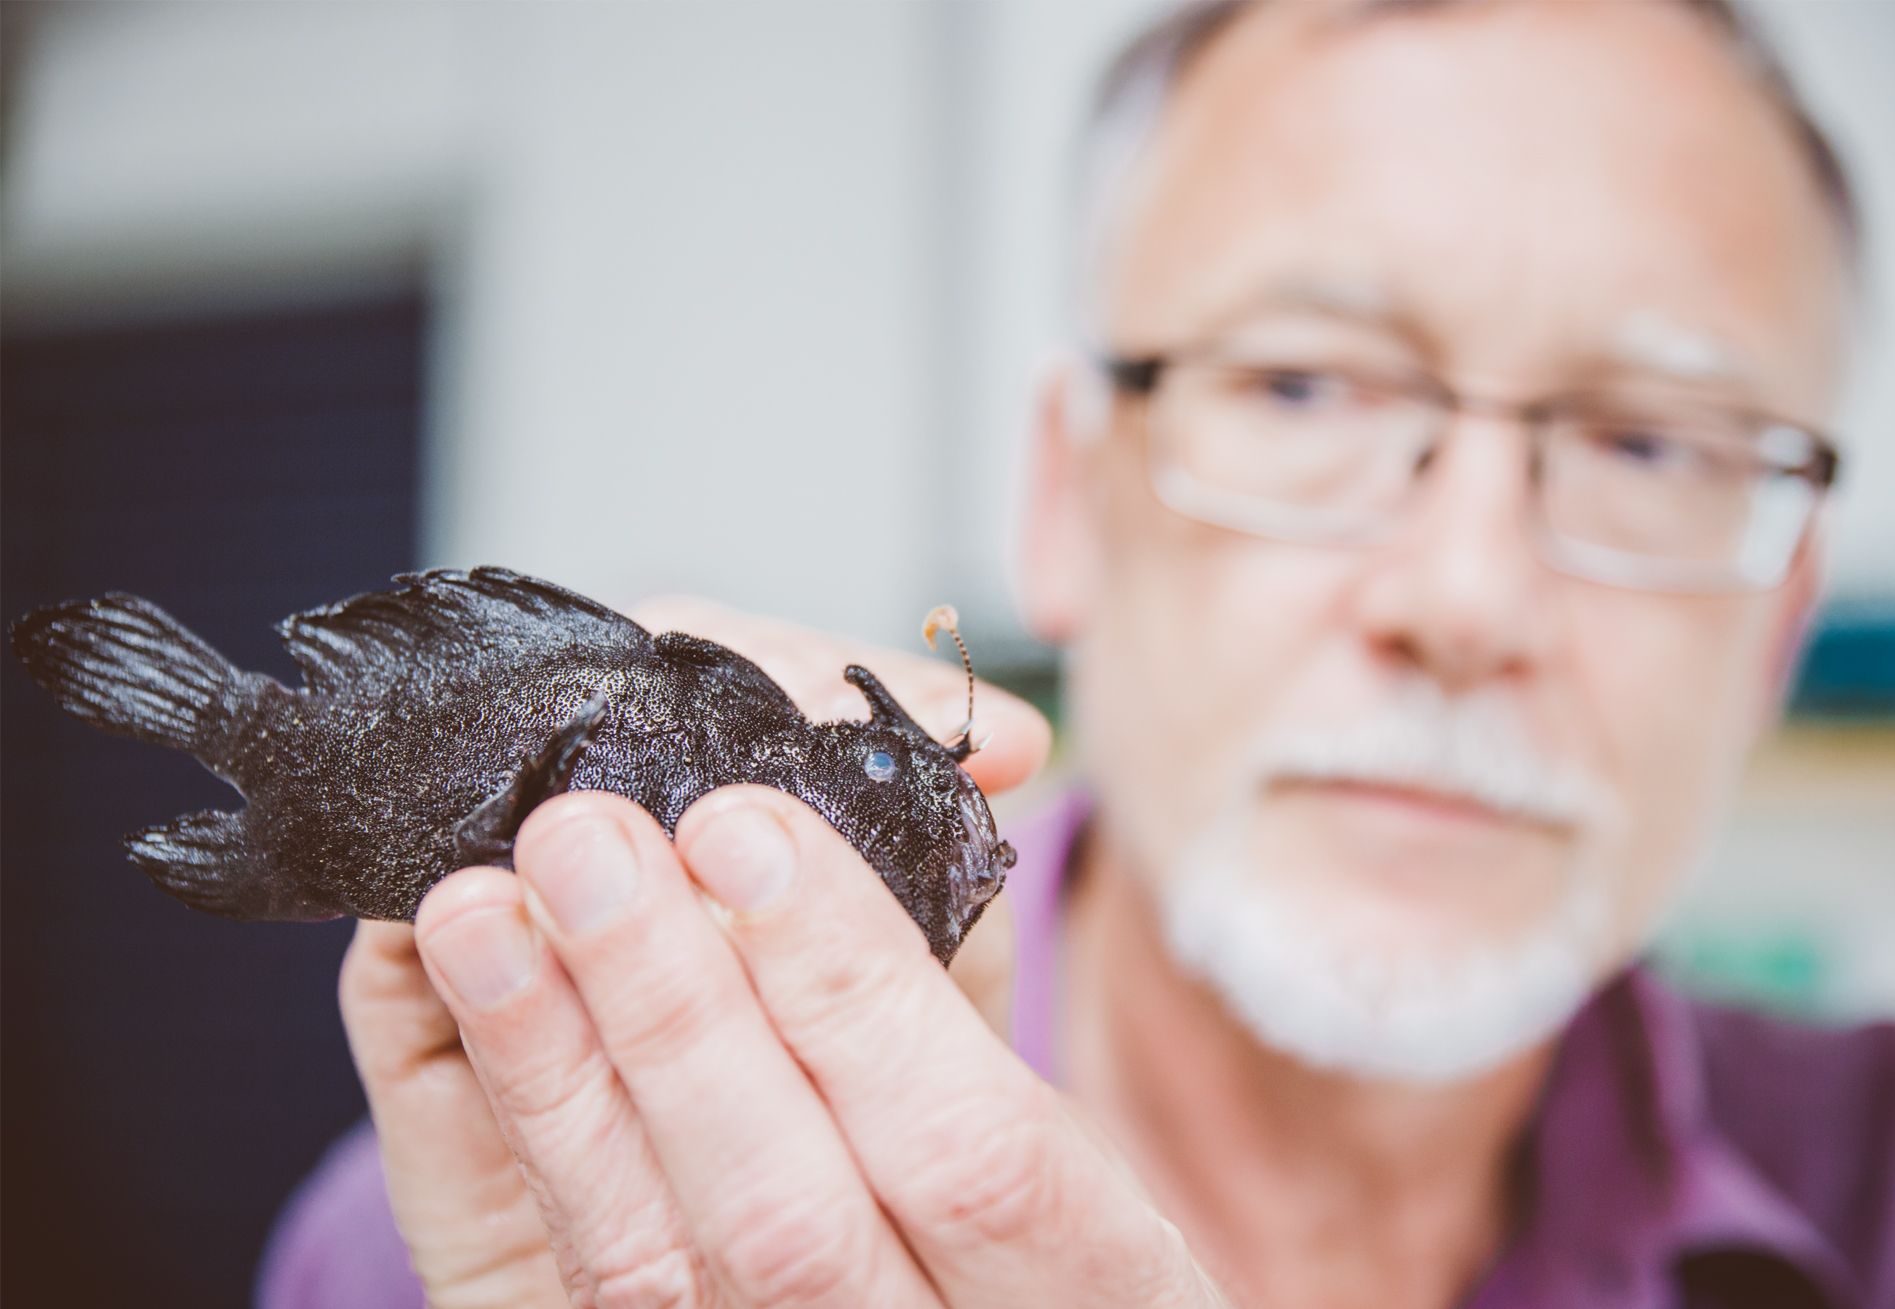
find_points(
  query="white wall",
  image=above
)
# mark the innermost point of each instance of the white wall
(689, 310)
(173, 153)
(683, 255)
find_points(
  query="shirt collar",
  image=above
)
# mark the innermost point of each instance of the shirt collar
(1630, 1176)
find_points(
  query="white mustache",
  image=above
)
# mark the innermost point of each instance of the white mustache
(1472, 747)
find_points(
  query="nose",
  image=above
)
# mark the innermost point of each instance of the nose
(1459, 595)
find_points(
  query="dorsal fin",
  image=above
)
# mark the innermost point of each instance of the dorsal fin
(445, 613)
(736, 677)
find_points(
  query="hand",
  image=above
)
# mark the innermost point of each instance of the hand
(472, 1226)
(797, 1107)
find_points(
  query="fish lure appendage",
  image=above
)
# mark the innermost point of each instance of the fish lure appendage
(944, 617)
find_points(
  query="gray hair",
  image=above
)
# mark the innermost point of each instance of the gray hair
(1132, 94)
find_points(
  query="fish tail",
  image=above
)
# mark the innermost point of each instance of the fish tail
(126, 666)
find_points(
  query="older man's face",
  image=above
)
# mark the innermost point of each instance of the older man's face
(1523, 200)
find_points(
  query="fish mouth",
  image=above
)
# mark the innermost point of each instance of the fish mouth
(979, 866)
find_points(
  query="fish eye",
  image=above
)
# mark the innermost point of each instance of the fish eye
(880, 765)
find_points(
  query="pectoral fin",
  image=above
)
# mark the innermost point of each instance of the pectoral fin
(486, 835)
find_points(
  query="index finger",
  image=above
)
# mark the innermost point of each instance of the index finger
(995, 1188)
(808, 665)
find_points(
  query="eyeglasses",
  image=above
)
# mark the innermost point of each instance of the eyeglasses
(1642, 490)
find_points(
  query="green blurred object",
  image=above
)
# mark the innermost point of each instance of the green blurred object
(1036, 683)
(1783, 968)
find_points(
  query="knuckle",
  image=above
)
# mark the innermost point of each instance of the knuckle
(1176, 1276)
(1141, 1255)
(989, 1175)
(354, 987)
(552, 1091)
(640, 1278)
(795, 1252)
(664, 1015)
(1154, 1265)
(506, 1272)
(843, 989)
(363, 981)
(393, 1018)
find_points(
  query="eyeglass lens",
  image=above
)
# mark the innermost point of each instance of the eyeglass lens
(1636, 492)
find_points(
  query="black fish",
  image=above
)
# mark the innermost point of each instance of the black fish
(435, 717)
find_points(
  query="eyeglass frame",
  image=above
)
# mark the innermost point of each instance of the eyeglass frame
(1139, 377)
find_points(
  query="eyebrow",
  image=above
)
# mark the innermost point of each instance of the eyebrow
(1354, 300)
(1645, 341)
(1652, 343)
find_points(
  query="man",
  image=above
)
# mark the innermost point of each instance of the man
(1430, 537)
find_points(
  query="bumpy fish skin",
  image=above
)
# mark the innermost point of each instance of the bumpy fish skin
(435, 717)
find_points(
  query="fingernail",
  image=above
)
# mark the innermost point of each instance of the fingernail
(744, 858)
(486, 956)
(584, 872)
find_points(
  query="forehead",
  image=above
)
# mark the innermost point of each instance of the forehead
(1527, 178)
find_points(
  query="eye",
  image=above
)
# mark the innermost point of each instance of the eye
(1293, 388)
(1299, 390)
(1653, 446)
(1641, 447)
(880, 765)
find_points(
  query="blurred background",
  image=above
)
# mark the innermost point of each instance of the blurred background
(735, 298)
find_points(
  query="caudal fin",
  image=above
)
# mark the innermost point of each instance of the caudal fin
(124, 665)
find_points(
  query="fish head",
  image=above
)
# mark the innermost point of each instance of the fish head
(903, 800)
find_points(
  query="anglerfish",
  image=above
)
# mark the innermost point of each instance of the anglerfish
(434, 717)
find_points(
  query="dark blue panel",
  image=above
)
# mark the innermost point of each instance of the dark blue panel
(1849, 669)
(169, 1076)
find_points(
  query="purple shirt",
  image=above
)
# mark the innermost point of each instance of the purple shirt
(1682, 1156)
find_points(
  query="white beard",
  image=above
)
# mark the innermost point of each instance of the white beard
(1309, 984)
(1286, 974)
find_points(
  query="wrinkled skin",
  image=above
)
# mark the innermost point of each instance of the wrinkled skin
(436, 717)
